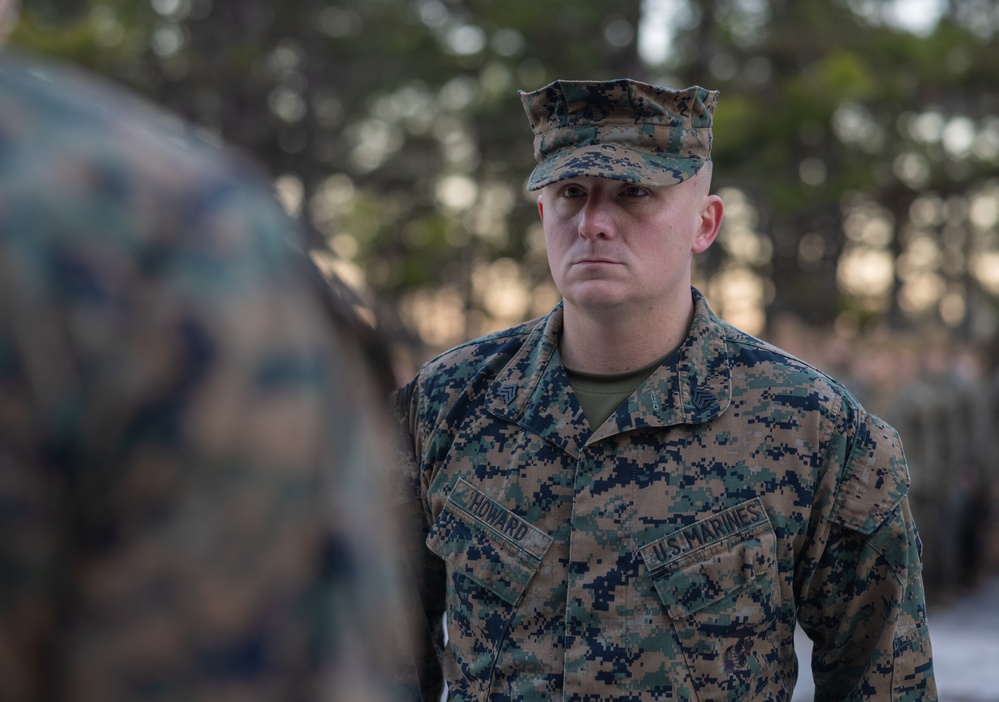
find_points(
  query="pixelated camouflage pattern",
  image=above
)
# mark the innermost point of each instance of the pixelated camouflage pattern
(668, 553)
(191, 460)
(620, 129)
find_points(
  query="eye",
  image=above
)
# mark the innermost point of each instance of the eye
(572, 190)
(631, 190)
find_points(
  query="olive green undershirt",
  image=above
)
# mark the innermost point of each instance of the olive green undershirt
(600, 394)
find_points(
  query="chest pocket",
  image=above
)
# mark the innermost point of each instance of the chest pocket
(487, 543)
(718, 581)
(491, 555)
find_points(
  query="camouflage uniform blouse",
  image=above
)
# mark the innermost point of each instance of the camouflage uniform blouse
(668, 554)
(189, 452)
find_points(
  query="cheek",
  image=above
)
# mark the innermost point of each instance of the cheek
(557, 251)
(660, 241)
(556, 242)
(556, 254)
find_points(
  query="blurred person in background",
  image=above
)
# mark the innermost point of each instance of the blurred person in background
(192, 434)
(629, 499)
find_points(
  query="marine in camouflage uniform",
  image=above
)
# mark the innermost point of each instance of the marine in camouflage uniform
(191, 442)
(667, 550)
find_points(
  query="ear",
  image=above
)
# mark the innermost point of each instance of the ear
(711, 219)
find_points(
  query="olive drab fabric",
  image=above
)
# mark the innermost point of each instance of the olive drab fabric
(192, 453)
(668, 553)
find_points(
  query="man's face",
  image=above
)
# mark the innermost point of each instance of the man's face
(612, 243)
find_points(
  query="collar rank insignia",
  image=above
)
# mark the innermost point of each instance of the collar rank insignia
(508, 392)
(702, 398)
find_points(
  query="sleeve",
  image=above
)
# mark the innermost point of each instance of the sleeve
(425, 599)
(864, 605)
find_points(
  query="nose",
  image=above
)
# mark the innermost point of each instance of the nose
(595, 220)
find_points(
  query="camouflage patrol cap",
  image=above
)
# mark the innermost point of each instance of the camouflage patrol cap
(620, 129)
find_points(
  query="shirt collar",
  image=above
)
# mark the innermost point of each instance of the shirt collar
(693, 385)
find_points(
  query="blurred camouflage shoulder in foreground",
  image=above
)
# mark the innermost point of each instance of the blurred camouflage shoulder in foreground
(190, 461)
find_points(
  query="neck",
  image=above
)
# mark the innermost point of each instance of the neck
(613, 341)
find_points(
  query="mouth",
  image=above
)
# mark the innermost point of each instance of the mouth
(595, 260)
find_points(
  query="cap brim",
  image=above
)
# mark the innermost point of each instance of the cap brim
(616, 163)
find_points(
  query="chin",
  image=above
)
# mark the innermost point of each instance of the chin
(597, 300)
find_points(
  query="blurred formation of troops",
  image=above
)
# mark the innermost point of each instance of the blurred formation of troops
(950, 428)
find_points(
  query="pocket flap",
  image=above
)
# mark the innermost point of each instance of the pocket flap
(485, 541)
(710, 559)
